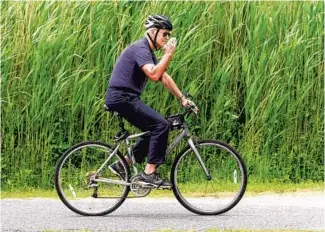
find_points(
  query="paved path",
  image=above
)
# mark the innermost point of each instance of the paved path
(281, 211)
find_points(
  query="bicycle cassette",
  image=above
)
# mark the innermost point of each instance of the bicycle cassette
(91, 177)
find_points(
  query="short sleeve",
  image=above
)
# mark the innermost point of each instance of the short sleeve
(143, 56)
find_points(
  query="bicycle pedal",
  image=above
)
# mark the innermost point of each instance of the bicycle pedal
(92, 185)
(164, 187)
(147, 185)
(153, 186)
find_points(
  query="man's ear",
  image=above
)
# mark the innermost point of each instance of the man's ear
(152, 31)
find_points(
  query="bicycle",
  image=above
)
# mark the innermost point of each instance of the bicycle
(208, 177)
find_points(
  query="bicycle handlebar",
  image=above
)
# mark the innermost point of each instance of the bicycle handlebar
(191, 107)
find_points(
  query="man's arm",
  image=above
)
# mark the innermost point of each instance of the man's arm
(169, 84)
(155, 72)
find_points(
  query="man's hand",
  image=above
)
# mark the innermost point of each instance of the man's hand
(188, 103)
(170, 47)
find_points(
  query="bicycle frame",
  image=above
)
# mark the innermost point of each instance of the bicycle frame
(193, 160)
(184, 133)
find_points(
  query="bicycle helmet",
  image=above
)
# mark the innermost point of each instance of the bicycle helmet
(159, 22)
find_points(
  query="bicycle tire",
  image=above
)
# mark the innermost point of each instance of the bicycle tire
(180, 196)
(60, 164)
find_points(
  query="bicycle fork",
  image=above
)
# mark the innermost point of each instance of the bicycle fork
(196, 152)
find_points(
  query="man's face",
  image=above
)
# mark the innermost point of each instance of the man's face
(163, 37)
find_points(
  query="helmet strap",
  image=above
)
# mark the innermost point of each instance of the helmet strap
(155, 39)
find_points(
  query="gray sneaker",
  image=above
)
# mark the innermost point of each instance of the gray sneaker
(118, 169)
(154, 180)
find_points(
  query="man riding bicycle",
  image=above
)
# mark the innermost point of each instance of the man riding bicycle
(134, 66)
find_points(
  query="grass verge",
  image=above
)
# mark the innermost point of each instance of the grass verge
(240, 230)
(209, 230)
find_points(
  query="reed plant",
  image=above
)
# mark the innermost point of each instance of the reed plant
(255, 68)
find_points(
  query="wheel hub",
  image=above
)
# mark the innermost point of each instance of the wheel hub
(91, 177)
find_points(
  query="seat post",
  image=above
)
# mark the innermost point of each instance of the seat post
(121, 123)
(120, 119)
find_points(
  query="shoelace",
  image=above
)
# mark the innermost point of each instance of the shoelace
(157, 177)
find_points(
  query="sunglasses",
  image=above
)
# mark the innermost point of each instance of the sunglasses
(165, 34)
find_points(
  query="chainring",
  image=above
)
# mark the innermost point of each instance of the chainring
(137, 188)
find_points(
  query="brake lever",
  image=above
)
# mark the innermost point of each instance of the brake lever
(195, 109)
(192, 108)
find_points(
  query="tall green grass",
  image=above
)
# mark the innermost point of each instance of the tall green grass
(255, 68)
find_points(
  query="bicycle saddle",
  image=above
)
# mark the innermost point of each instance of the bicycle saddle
(106, 108)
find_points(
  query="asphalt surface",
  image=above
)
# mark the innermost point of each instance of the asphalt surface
(301, 211)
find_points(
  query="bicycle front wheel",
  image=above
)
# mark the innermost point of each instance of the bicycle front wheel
(200, 194)
(87, 186)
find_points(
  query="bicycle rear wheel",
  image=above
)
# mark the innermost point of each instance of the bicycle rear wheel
(195, 191)
(78, 182)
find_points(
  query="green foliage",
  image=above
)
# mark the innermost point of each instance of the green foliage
(255, 68)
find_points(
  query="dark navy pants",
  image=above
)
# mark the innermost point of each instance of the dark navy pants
(130, 107)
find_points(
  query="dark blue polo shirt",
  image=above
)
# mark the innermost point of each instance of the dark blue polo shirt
(127, 74)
